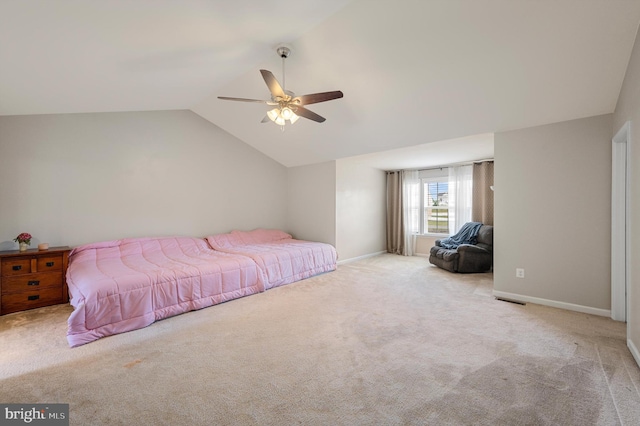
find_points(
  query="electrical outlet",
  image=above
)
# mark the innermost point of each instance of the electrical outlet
(519, 272)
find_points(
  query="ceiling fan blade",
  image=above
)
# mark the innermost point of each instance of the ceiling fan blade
(266, 119)
(303, 112)
(272, 83)
(314, 98)
(226, 98)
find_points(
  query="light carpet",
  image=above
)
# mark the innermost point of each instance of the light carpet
(388, 340)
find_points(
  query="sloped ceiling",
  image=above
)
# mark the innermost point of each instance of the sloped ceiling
(412, 71)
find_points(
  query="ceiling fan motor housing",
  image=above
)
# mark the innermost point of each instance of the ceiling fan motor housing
(283, 51)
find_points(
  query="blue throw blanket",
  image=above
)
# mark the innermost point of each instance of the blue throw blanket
(468, 234)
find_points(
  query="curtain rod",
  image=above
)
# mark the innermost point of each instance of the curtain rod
(464, 163)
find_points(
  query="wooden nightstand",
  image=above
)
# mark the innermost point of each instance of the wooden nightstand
(33, 278)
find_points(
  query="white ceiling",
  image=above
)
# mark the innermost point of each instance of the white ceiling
(412, 71)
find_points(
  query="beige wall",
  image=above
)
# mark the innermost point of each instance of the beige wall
(70, 179)
(553, 214)
(311, 202)
(628, 109)
(360, 209)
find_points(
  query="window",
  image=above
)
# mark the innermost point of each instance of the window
(435, 198)
(434, 201)
(442, 200)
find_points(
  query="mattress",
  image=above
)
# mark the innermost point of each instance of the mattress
(279, 256)
(123, 285)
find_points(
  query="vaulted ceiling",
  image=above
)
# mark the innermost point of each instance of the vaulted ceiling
(412, 71)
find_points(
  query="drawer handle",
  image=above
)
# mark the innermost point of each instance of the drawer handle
(49, 264)
(33, 283)
(17, 267)
(36, 297)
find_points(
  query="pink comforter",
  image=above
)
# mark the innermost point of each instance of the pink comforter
(123, 285)
(281, 258)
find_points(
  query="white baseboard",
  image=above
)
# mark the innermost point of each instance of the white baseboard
(634, 351)
(353, 259)
(553, 303)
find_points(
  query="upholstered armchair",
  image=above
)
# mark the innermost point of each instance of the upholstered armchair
(466, 258)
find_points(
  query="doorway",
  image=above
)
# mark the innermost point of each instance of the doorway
(620, 224)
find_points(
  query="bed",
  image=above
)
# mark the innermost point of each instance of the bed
(123, 285)
(279, 256)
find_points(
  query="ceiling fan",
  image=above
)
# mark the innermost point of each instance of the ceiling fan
(288, 106)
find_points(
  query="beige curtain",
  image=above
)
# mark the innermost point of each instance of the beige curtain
(482, 193)
(395, 223)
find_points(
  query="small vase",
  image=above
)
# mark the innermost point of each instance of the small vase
(24, 246)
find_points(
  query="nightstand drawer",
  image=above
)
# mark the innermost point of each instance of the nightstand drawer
(16, 266)
(49, 263)
(31, 282)
(30, 299)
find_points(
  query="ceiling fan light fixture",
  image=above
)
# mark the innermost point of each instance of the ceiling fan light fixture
(279, 120)
(273, 114)
(280, 116)
(286, 113)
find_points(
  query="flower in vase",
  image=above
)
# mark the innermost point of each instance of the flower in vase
(24, 237)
